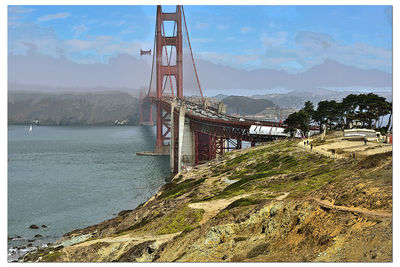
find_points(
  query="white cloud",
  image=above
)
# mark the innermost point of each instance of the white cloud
(27, 36)
(79, 29)
(117, 23)
(77, 45)
(19, 10)
(312, 48)
(222, 27)
(315, 41)
(54, 16)
(16, 14)
(317, 47)
(278, 39)
(14, 21)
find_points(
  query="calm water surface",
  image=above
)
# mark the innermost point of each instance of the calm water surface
(73, 177)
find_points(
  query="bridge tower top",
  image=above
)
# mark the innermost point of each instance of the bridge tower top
(167, 72)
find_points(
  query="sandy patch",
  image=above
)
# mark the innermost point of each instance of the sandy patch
(213, 207)
(282, 197)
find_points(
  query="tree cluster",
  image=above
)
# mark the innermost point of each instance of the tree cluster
(366, 109)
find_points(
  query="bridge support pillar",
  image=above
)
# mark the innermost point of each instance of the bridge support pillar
(173, 140)
(146, 114)
(182, 147)
(181, 127)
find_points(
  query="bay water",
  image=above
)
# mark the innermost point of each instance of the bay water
(72, 177)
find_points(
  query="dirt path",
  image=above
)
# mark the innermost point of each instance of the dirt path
(327, 204)
(213, 207)
(282, 197)
(129, 238)
(318, 150)
(347, 147)
(114, 248)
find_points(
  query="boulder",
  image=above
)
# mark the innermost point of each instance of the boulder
(33, 226)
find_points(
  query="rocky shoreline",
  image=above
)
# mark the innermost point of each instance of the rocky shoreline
(272, 203)
(19, 246)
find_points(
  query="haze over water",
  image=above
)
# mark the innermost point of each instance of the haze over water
(72, 177)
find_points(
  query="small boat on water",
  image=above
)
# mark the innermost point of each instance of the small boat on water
(30, 128)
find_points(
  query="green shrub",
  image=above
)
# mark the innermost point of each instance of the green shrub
(239, 239)
(181, 219)
(243, 202)
(175, 190)
(52, 257)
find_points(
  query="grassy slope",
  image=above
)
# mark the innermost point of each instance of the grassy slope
(259, 226)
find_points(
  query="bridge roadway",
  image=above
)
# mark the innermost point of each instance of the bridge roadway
(197, 133)
(210, 121)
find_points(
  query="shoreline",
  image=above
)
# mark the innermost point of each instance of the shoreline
(82, 162)
(17, 253)
(66, 240)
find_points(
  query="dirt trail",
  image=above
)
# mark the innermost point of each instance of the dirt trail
(213, 207)
(347, 147)
(282, 197)
(327, 204)
(128, 238)
(319, 151)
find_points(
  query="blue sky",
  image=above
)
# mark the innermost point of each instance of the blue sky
(290, 38)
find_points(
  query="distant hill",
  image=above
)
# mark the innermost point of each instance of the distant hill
(246, 105)
(72, 108)
(296, 99)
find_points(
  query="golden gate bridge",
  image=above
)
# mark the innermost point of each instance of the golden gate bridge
(188, 128)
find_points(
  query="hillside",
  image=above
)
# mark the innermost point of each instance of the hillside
(72, 108)
(296, 99)
(246, 105)
(278, 202)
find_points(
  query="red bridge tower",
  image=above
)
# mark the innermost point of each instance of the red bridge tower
(164, 72)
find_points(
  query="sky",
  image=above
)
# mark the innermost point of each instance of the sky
(293, 39)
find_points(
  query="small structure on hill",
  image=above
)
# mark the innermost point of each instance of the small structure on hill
(362, 134)
(355, 124)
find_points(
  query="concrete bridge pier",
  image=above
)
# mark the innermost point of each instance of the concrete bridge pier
(172, 140)
(182, 148)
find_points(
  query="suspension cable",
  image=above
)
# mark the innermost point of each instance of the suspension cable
(154, 53)
(191, 53)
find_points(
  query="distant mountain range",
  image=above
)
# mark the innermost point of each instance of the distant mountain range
(327, 74)
(126, 71)
(246, 105)
(101, 108)
(105, 107)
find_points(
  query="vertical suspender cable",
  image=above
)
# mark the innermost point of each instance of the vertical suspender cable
(191, 53)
